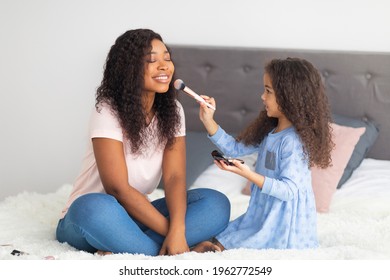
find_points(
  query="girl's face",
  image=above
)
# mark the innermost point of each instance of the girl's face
(159, 68)
(269, 98)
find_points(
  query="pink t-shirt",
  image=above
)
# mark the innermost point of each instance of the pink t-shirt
(144, 170)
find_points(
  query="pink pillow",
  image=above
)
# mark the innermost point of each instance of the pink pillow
(325, 181)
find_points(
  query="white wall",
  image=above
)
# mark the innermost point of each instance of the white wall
(52, 55)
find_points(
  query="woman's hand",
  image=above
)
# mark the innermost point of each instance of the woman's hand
(174, 243)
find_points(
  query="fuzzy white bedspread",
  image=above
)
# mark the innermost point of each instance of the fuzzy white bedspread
(357, 226)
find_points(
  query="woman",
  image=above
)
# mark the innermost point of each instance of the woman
(137, 134)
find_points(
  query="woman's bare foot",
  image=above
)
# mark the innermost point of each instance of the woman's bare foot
(206, 246)
(103, 253)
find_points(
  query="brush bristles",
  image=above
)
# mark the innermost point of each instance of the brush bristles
(179, 84)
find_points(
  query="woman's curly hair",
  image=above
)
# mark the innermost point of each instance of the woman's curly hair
(121, 88)
(301, 97)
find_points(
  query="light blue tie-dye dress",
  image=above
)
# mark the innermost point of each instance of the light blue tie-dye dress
(282, 214)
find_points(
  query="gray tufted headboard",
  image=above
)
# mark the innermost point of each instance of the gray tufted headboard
(357, 84)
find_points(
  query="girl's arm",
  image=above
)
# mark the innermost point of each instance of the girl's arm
(110, 159)
(225, 142)
(174, 178)
(206, 115)
(294, 172)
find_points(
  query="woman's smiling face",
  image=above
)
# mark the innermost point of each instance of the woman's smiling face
(159, 68)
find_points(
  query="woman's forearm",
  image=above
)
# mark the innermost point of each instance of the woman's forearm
(139, 207)
(176, 199)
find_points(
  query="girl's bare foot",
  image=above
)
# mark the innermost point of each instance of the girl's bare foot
(103, 253)
(206, 246)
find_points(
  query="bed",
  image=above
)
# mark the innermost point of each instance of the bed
(353, 198)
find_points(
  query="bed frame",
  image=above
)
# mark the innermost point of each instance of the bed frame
(357, 84)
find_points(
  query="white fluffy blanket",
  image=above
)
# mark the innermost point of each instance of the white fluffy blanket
(357, 227)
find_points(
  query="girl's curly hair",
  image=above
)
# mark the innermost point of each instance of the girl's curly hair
(121, 89)
(301, 97)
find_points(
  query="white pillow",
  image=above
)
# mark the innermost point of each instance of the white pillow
(224, 181)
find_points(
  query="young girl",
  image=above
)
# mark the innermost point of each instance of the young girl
(137, 135)
(290, 135)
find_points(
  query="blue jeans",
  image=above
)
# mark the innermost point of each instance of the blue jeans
(97, 221)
